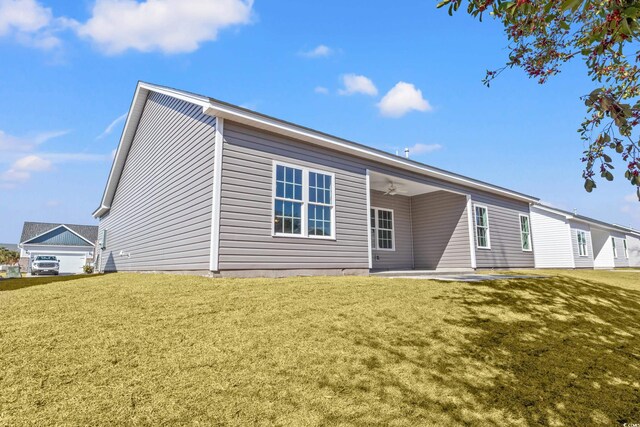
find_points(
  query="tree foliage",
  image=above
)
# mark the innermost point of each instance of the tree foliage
(543, 35)
(8, 257)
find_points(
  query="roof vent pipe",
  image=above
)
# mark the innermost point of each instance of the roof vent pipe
(575, 211)
(406, 153)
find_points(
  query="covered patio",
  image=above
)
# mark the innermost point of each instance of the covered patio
(416, 226)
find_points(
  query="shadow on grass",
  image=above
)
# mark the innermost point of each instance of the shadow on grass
(27, 282)
(554, 351)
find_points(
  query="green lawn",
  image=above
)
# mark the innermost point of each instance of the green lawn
(127, 349)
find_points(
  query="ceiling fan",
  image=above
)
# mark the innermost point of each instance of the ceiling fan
(393, 190)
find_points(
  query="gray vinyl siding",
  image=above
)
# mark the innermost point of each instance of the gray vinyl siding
(504, 233)
(440, 231)
(581, 261)
(161, 211)
(246, 240)
(621, 260)
(401, 257)
(246, 209)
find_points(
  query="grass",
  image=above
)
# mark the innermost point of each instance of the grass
(165, 350)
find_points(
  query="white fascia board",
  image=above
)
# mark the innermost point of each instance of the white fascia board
(273, 125)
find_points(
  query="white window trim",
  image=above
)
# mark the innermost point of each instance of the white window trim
(613, 245)
(305, 202)
(586, 246)
(626, 248)
(475, 227)
(520, 216)
(393, 229)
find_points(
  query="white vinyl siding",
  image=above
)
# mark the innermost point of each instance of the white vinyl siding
(483, 240)
(551, 239)
(525, 232)
(382, 229)
(582, 243)
(303, 202)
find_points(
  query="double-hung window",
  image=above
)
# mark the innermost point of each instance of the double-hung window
(381, 221)
(582, 243)
(525, 233)
(615, 250)
(482, 227)
(303, 202)
(626, 249)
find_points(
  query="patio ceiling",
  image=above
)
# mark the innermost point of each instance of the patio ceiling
(404, 187)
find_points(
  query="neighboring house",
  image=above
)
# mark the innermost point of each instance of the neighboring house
(72, 244)
(568, 240)
(204, 186)
(632, 245)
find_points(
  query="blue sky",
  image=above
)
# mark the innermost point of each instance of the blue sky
(389, 77)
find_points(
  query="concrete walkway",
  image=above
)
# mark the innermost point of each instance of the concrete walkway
(449, 275)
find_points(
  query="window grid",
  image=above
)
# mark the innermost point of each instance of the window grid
(582, 243)
(482, 227)
(525, 233)
(381, 224)
(320, 204)
(303, 204)
(287, 215)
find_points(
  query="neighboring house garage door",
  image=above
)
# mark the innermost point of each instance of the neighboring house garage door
(69, 262)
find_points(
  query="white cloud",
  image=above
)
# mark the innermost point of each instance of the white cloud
(24, 158)
(32, 163)
(354, 83)
(23, 16)
(168, 26)
(30, 23)
(320, 51)
(22, 168)
(112, 125)
(424, 148)
(631, 207)
(53, 203)
(321, 90)
(14, 144)
(401, 99)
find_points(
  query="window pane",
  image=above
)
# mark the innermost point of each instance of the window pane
(287, 218)
(298, 176)
(319, 220)
(279, 189)
(298, 192)
(327, 228)
(279, 173)
(482, 237)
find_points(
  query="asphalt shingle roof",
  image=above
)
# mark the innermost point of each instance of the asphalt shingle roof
(33, 229)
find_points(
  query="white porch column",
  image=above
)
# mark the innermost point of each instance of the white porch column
(217, 190)
(368, 190)
(472, 242)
